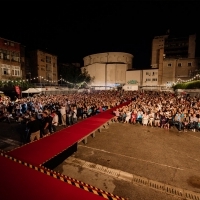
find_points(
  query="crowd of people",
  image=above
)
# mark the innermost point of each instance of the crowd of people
(162, 109)
(42, 114)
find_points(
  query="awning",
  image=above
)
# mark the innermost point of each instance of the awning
(31, 90)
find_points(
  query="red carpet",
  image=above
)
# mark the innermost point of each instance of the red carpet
(21, 182)
(44, 149)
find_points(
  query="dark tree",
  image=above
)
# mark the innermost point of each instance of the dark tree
(74, 75)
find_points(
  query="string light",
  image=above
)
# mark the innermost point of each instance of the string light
(40, 77)
(196, 77)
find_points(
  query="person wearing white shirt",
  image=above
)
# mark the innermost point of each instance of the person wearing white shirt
(128, 116)
(63, 114)
(74, 115)
(54, 121)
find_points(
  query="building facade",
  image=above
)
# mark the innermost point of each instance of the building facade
(23, 61)
(134, 77)
(9, 60)
(43, 67)
(174, 58)
(157, 50)
(147, 78)
(150, 77)
(108, 69)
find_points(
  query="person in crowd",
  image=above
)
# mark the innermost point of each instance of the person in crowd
(133, 117)
(149, 102)
(54, 120)
(45, 121)
(193, 122)
(74, 115)
(69, 117)
(123, 115)
(178, 121)
(63, 114)
(8, 117)
(84, 114)
(139, 116)
(198, 125)
(157, 119)
(151, 119)
(186, 121)
(34, 128)
(116, 112)
(79, 112)
(145, 119)
(170, 122)
(128, 116)
(163, 120)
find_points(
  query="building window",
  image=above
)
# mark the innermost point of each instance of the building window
(15, 71)
(5, 70)
(12, 55)
(49, 76)
(148, 73)
(6, 42)
(148, 79)
(154, 73)
(54, 64)
(12, 44)
(48, 67)
(15, 57)
(154, 79)
(179, 64)
(189, 64)
(169, 64)
(42, 59)
(48, 59)
(6, 54)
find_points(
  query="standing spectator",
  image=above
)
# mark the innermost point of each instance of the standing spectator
(84, 113)
(63, 114)
(74, 115)
(151, 119)
(79, 112)
(54, 120)
(34, 128)
(128, 116)
(45, 124)
(69, 117)
(116, 112)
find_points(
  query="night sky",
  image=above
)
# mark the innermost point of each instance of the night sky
(74, 30)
